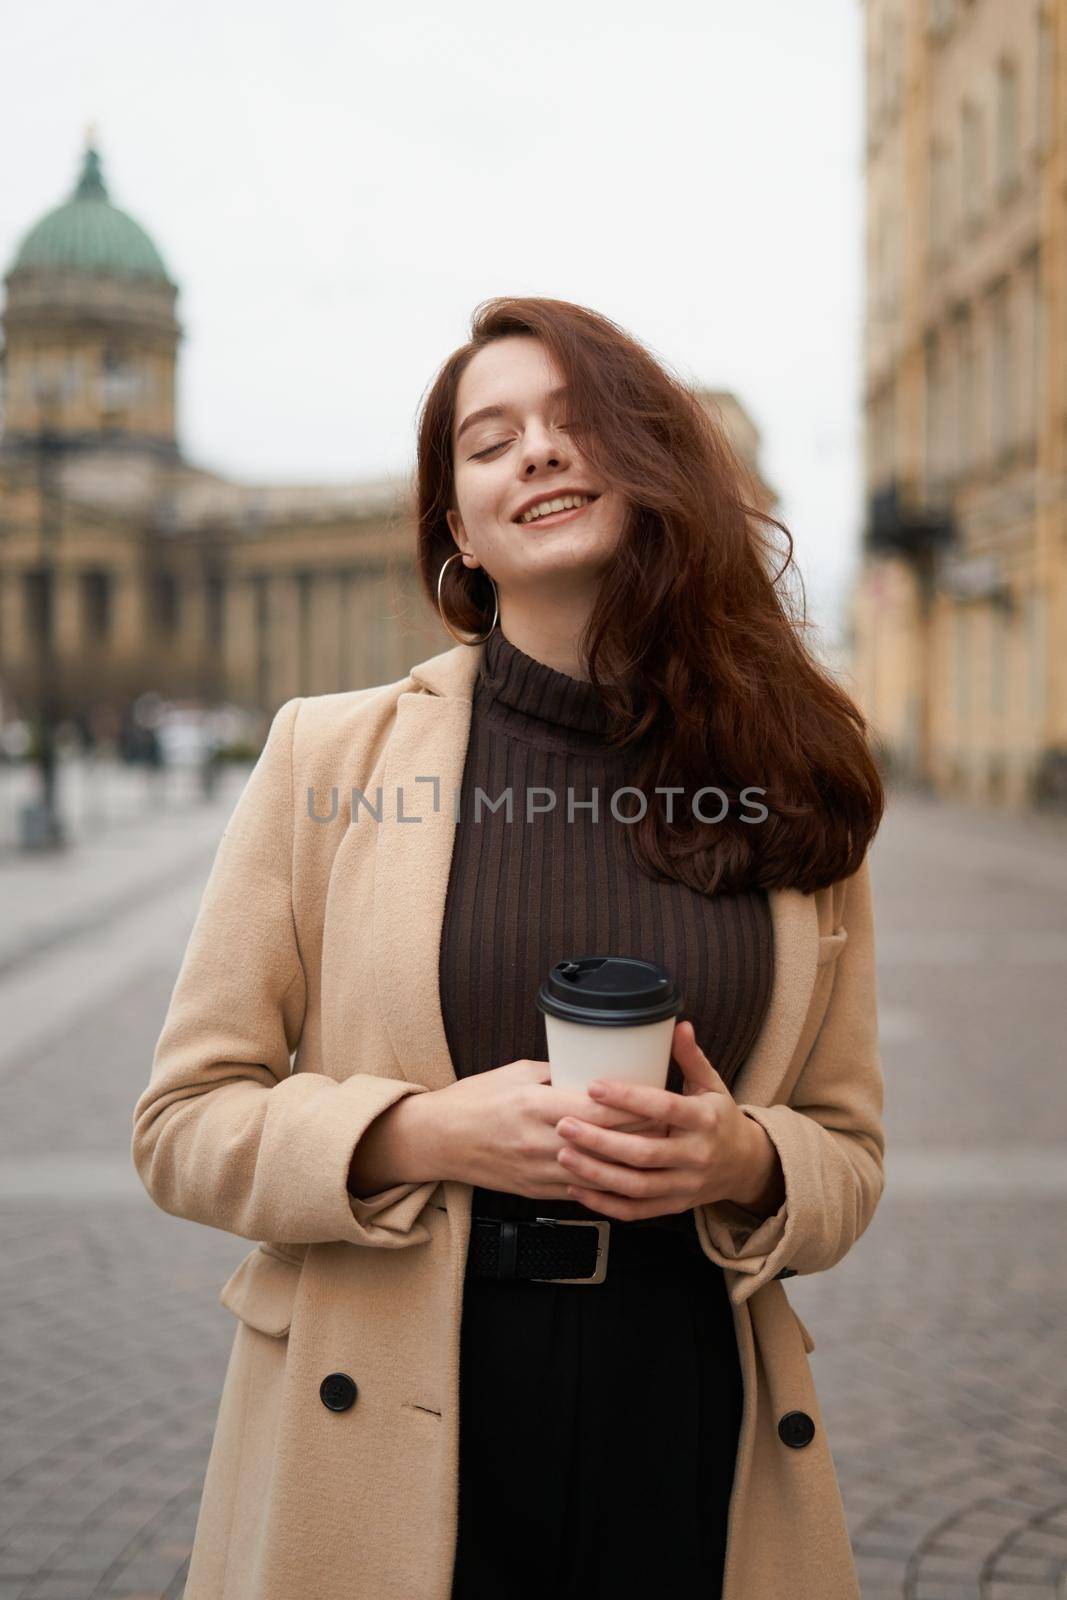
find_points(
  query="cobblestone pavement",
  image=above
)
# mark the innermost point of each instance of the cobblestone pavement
(939, 1339)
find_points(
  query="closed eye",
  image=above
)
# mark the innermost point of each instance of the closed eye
(488, 451)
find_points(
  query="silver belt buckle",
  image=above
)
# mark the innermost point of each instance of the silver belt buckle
(603, 1235)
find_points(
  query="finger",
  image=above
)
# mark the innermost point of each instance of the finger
(637, 1184)
(575, 1103)
(642, 1101)
(655, 1130)
(628, 1149)
(700, 1075)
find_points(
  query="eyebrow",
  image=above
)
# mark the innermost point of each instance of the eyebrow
(498, 411)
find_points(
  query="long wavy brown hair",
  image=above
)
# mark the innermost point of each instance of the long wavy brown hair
(694, 642)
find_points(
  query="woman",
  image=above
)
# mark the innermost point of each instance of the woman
(433, 1413)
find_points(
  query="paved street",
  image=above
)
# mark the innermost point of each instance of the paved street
(939, 1351)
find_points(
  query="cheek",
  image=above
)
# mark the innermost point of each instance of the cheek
(478, 501)
(611, 519)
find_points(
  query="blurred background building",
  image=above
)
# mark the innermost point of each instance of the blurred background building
(140, 570)
(960, 613)
(125, 568)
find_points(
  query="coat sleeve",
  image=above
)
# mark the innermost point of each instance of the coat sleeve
(829, 1137)
(225, 1133)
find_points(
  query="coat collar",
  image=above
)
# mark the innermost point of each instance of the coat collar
(412, 864)
(452, 673)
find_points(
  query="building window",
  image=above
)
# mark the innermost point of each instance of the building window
(886, 256)
(1002, 371)
(998, 660)
(1030, 351)
(1035, 631)
(1039, 348)
(876, 74)
(37, 600)
(963, 670)
(880, 442)
(967, 412)
(941, 17)
(1046, 80)
(96, 604)
(971, 163)
(894, 54)
(215, 604)
(951, 453)
(1007, 127)
(885, 69)
(166, 602)
(938, 191)
(934, 415)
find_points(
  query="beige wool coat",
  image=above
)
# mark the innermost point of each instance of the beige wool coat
(306, 1003)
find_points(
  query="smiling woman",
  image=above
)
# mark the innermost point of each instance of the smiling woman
(503, 1342)
(632, 628)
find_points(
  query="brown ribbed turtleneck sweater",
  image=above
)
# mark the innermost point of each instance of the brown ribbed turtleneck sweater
(525, 895)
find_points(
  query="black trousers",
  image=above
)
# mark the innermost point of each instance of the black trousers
(598, 1432)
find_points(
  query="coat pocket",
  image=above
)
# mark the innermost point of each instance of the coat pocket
(830, 946)
(262, 1291)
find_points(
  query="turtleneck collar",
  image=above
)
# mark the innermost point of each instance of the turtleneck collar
(536, 698)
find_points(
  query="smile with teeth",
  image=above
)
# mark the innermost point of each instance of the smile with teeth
(553, 508)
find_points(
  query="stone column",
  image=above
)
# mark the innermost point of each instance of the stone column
(239, 638)
(130, 612)
(13, 639)
(67, 618)
(326, 633)
(284, 638)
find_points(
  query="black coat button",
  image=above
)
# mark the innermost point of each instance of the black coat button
(337, 1391)
(796, 1429)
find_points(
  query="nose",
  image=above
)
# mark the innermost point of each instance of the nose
(543, 450)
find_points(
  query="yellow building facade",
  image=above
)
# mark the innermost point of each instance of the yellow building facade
(959, 616)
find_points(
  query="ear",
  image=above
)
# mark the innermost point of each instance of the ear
(462, 544)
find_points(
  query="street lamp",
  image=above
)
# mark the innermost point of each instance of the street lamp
(53, 387)
(40, 825)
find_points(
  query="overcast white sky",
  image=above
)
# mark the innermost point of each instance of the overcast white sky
(334, 191)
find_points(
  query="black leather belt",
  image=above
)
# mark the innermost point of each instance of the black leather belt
(566, 1250)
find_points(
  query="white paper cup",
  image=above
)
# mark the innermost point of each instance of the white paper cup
(596, 1039)
(579, 1054)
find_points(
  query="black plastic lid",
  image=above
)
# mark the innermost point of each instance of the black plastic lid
(609, 992)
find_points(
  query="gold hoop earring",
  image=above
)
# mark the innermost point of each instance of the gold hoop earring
(444, 619)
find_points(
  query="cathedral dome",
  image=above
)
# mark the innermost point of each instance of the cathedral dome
(89, 234)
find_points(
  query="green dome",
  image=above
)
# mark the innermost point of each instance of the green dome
(89, 234)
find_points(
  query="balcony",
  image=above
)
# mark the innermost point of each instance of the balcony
(899, 524)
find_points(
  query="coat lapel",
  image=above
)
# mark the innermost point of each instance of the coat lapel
(412, 859)
(412, 864)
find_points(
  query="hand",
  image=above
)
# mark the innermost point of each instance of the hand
(497, 1129)
(709, 1154)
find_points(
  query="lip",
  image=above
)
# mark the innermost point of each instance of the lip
(557, 495)
(556, 516)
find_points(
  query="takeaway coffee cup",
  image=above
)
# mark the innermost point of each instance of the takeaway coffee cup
(609, 1017)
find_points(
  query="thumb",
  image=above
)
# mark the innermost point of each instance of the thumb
(700, 1076)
